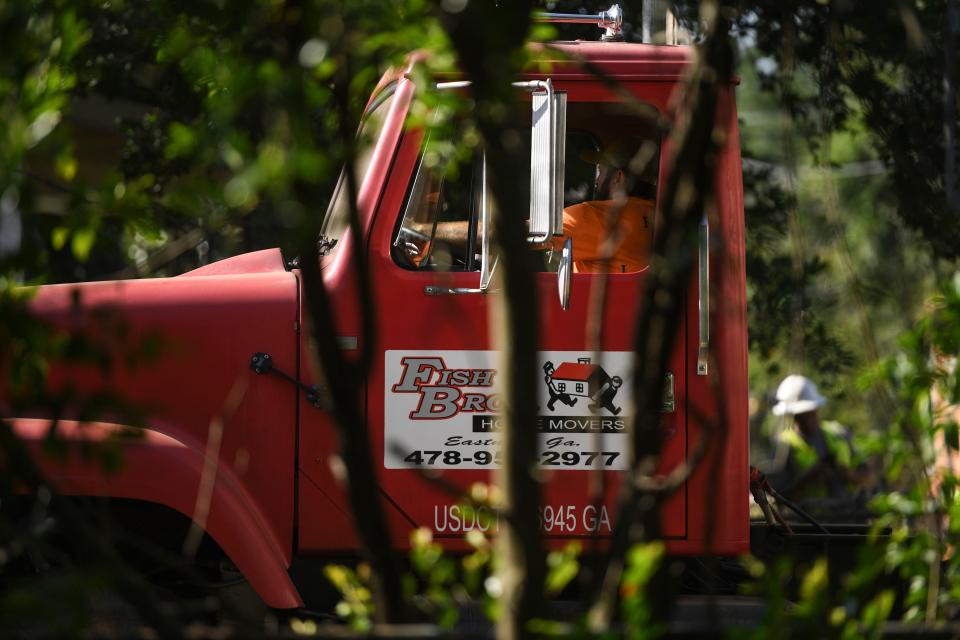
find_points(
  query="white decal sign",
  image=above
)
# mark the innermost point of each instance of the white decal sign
(442, 410)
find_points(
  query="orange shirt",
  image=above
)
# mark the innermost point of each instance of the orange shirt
(586, 224)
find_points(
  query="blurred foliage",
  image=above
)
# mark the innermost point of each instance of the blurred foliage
(849, 227)
(643, 561)
(229, 123)
(442, 586)
(356, 606)
(908, 569)
(850, 232)
(204, 117)
(148, 138)
(836, 67)
(921, 456)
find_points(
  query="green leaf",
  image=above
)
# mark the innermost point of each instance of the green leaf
(561, 574)
(815, 582)
(176, 45)
(58, 237)
(66, 165)
(643, 560)
(182, 141)
(83, 241)
(238, 192)
(42, 126)
(563, 567)
(878, 610)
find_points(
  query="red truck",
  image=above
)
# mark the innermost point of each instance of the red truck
(248, 456)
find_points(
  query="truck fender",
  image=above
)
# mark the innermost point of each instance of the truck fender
(169, 470)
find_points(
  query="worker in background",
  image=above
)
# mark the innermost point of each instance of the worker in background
(822, 470)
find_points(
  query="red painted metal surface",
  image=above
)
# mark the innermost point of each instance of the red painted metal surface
(197, 389)
(325, 525)
(224, 507)
(709, 515)
(626, 62)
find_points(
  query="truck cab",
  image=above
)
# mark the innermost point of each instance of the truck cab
(432, 397)
(251, 459)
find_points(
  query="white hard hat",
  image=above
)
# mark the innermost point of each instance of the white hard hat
(797, 394)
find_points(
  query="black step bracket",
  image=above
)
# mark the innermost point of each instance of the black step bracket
(262, 363)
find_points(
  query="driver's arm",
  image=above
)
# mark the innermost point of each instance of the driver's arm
(454, 233)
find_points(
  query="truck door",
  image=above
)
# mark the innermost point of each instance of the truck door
(434, 396)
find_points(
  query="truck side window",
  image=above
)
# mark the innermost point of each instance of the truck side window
(439, 226)
(337, 218)
(579, 176)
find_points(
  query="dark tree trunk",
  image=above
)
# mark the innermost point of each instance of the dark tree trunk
(488, 38)
(684, 200)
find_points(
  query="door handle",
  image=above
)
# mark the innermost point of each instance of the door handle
(433, 290)
(703, 351)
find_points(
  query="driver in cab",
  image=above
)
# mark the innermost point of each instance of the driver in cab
(621, 214)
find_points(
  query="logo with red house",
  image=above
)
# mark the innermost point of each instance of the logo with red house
(574, 380)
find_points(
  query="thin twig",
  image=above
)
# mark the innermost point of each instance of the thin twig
(211, 464)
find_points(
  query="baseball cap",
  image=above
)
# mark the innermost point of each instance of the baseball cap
(619, 153)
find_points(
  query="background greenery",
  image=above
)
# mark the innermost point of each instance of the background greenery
(142, 139)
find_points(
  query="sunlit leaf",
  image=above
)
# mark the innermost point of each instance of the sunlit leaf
(83, 241)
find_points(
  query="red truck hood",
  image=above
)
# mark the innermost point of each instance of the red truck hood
(173, 355)
(265, 261)
(174, 347)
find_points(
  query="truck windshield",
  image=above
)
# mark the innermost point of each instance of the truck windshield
(337, 218)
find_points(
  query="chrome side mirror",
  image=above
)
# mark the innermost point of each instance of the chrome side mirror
(564, 274)
(547, 156)
(548, 149)
(488, 261)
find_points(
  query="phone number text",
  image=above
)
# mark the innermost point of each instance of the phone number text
(453, 458)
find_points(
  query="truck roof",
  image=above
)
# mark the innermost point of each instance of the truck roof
(625, 61)
(573, 60)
